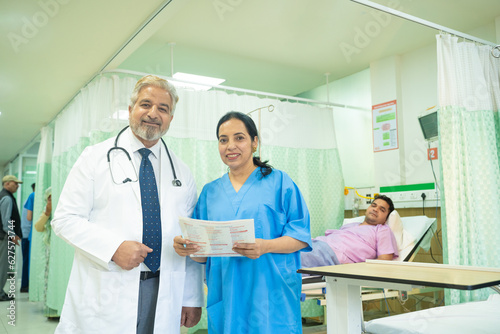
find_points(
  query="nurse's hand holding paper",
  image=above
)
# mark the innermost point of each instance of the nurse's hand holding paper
(184, 247)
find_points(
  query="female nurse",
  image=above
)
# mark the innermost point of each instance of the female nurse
(258, 292)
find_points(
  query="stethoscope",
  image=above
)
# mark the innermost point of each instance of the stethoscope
(175, 182)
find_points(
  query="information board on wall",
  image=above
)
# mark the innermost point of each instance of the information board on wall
(385, 126)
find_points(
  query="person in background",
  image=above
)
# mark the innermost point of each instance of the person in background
(11, 229)
(356, 242)
(259, 292)
(26, 228)
(43, 226)
(121, 218)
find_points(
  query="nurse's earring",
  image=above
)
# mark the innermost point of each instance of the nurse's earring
(254, 149)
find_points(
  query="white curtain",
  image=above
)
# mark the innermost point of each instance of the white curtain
(469, 129)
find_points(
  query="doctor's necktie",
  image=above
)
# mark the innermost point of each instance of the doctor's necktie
(151, 230)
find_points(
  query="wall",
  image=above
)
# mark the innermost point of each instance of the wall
(352, 126)
(411, 80)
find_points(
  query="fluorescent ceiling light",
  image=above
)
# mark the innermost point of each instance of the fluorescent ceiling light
(197, 82)
(121, 115)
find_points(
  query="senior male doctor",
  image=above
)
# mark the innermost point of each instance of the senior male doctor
(121, 217)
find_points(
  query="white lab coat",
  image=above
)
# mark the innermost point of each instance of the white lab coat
(95, 215)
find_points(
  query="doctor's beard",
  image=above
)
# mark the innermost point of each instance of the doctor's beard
(147, 132)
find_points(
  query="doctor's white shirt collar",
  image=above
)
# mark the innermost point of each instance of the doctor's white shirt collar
(154, 157)
(136, 145)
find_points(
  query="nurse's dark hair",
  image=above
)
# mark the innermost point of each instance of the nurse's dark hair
(265, 168)
(388, 201)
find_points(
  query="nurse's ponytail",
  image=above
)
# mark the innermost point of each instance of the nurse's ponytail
(265, 168)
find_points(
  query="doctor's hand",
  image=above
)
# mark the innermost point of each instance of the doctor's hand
(252, 251)
(130, 254)
(190, 316)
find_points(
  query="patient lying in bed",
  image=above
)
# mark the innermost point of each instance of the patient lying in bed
(355, 242)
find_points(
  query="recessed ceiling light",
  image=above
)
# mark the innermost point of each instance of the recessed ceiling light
(197, 82)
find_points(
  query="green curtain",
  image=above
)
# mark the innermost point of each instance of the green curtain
(469, 142)
(40, 243)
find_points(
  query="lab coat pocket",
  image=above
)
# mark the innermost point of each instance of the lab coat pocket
(176, 292)
(103, 289)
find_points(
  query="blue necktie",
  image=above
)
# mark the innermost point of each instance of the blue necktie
(151, 230)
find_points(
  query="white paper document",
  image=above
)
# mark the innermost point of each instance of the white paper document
(217, 238)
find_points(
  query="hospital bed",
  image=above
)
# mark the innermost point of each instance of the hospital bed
(411, 233)
(471, 317)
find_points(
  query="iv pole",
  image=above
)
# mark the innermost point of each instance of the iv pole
(270, 108)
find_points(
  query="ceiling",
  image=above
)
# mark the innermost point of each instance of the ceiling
(52, 48)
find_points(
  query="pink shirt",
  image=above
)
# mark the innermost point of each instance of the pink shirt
(355, 243)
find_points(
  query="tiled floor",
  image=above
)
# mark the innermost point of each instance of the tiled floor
(24, 317)
(28, 317)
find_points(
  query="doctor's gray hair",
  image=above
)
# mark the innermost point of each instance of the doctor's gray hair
(153, 80)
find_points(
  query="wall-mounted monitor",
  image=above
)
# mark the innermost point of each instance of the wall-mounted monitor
(429, 125)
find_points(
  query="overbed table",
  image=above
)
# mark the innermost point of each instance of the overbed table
(344, 282)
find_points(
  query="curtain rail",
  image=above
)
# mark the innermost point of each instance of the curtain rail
(423, 22)
(248, 91)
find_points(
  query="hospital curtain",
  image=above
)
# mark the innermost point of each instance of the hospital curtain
(296, 138)
(39, 259)
(94, 115)
(469, 141)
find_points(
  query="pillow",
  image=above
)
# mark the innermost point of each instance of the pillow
(359, 219)
(396, 225)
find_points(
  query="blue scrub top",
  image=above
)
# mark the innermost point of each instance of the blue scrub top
(26, 225)
(261, 295)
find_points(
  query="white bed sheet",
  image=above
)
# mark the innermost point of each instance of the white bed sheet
(473, 317)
